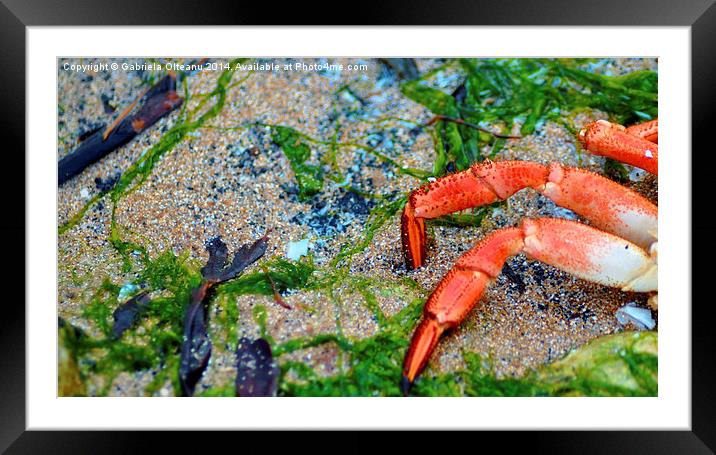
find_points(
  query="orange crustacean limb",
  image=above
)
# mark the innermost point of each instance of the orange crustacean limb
(581, 250)
(480, 185)
(647, 130)
(456, 294)
(619, 249)
(628, 145)
(608, 205)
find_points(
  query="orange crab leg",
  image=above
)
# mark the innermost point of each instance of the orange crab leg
(614, 141)
(578, 249)
(607, 204)
(456, 295)
(480, 185)
(647, 130)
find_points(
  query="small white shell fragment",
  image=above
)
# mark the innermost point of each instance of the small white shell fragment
(126, 290)
(640, 317)
(297, 249)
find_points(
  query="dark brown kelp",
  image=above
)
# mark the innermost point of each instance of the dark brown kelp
(257, 372)
(127, 314)
(216, 270)
(218, 254)
(159, 100)
(247, 255)
(196, 345)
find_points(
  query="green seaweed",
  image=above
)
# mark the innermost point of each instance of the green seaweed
(261, 317)
(285, 275)
(374, 363)
(623, 364)
(616, 170)
(502, 93)
(153, 344)
(627, 99)
(308, 177)
(438, 102)
(363, 286)
(474, 218)
(617, 365)
(158, 344)
(451, 141)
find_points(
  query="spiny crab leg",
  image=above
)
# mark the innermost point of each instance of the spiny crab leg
(578, 249)
(608, 205)
(629, 145)
(647, 130)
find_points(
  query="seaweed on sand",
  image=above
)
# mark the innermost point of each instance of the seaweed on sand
(159, 100)
(140, 170)
(167, 333)
(623, 364)
(309, 177)
(497, 95)
(618, 365)
(500, 94)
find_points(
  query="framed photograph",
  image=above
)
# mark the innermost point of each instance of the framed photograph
(232, 216)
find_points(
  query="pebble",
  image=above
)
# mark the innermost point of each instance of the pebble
(295, 250)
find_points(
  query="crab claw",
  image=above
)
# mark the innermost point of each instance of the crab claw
(457, 294)
(614, 141)
(412, 231)
(425, 339)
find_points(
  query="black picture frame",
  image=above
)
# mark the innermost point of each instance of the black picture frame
(700, 15)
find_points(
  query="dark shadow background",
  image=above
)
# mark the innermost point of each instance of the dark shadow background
(15, 15)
